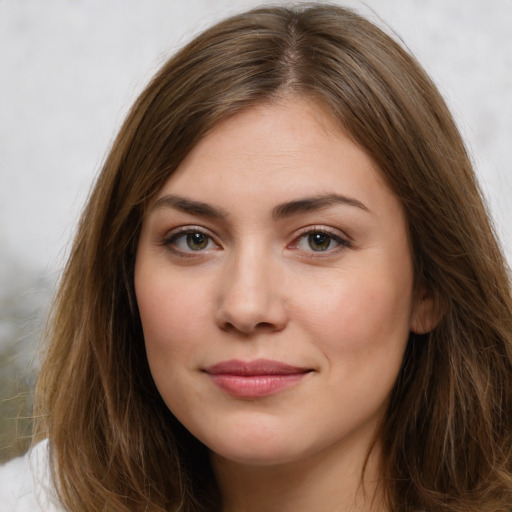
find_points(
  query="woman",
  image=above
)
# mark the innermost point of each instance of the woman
(284, 292)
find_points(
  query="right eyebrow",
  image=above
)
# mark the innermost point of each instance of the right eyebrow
(189, 206)
(310, 204)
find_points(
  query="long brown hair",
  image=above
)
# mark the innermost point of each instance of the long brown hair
(447, 434)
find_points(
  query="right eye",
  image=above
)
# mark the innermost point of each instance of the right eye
(190, 240)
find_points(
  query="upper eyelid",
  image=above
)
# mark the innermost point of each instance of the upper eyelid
(316, 228)
(188, 229)
(183, 230)
(342, 240)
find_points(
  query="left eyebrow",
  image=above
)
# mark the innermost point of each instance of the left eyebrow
(310, 204)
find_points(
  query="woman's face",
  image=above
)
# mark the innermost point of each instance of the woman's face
(275, 287)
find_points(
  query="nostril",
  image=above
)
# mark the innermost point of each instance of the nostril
(267, 326)
(249, 328)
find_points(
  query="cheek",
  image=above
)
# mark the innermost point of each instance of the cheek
(360, 312)
(167, 314)
(170, 322)
(176, 315)
(362, 333)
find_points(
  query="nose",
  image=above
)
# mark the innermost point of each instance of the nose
(251, 296)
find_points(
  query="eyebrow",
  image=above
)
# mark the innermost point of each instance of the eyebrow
(310, 204)
(189, 206)
(284, 210)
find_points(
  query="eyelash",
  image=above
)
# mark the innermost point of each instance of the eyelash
(341, 242)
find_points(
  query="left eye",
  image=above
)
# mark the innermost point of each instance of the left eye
(319, 241)
(191, 241)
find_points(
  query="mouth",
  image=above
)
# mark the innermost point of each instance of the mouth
(255, 379)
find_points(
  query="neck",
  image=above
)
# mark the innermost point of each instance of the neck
(323, 482)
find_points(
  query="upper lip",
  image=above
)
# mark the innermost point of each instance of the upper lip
(254, 367)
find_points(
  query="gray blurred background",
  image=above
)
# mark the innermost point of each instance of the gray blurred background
(69, 71)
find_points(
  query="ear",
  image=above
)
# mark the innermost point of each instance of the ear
(426, 313)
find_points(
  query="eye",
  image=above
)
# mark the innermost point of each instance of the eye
(190, 240)
(196, 241)
(320, 241)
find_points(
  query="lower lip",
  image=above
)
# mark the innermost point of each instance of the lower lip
(255, 386)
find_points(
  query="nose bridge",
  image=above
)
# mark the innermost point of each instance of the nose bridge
(251, 295)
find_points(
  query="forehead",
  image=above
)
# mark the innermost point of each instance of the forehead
(277, 152)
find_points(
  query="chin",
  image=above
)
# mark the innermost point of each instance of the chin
(266, 448)
(257, 447)
(266, 454)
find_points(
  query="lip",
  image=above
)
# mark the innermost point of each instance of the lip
(255, 379)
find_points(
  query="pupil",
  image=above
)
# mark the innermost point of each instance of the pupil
(319, 241)
(197, 241)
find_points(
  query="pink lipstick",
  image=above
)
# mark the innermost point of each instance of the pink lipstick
(255, 379)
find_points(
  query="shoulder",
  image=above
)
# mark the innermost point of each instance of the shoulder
(25, 483)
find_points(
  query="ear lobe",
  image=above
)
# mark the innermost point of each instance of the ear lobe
(426, 313)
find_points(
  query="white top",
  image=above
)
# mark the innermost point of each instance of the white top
(25, 484)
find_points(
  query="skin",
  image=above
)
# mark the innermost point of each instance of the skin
(258, 286)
